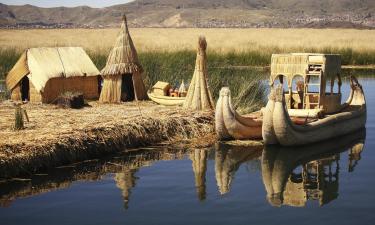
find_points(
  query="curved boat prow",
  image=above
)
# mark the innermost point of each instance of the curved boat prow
(268, 132)
(351, 118)
(221, 130)
(229, 124)
(357, 96)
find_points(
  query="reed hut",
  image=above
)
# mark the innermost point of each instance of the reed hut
(122, 75)
(42, 74)
(199, 96)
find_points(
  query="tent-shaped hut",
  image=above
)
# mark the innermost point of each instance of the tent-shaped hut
(122, 74)
(199, 96)
(42, 74)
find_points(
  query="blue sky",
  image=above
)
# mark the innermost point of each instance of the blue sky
(68, 3)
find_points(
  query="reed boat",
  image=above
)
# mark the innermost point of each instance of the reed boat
(351, 118)
(159, 94)
(166, 100)
(330, 118)
(231, 125)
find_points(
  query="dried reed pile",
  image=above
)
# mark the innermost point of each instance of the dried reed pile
(199, 96)
(57, 136)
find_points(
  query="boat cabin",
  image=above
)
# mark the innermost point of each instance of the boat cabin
(307, 76)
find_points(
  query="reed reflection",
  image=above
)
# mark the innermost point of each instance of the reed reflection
(124, 166)
(199, 164)
(228, 159)
(126, 180)
(292, 176)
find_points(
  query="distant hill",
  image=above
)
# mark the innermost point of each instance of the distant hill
(200, 13)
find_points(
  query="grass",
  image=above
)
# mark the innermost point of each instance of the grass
(177, 66)
(169, 54)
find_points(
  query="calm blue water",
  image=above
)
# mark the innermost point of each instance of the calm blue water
(218, 185)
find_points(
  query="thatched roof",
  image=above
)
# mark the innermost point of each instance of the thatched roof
(293, 64)
(123, 58)
(42, 64)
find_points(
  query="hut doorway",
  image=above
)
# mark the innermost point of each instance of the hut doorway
(100, 84)
(25, 89)
(127, 88)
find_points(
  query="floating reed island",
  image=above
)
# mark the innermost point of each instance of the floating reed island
(57, 136)
(54, 136)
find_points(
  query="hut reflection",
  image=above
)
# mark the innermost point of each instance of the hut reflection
(124, 166)
(228, 159)
(199, 163)
(126, 180)
(292, 176)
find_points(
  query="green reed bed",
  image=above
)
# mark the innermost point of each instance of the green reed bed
(224, 68)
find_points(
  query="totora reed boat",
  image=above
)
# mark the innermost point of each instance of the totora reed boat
(231, 125)
(325, 116)
(166, 100)
(159, 93)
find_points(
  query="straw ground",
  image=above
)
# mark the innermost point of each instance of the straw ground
(56, 136)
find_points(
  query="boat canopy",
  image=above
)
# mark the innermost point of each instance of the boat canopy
(289, 65)
(316, 70)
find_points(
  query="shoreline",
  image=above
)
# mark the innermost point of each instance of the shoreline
(56, 137)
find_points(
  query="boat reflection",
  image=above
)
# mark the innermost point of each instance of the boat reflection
(292, 176)
(228, 159)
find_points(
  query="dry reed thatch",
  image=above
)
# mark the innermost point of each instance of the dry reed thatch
(123, 57)
(51, 71)
(57, 136)
(122, 60)
(43, 64)
(199, 97)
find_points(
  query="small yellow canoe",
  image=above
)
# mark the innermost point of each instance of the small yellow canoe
(166, 100)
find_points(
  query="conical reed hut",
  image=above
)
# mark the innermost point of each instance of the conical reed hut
(122, 75)
(199, 96)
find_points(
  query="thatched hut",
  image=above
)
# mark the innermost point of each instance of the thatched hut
(199, 96)
(122, 74)
(42, 74)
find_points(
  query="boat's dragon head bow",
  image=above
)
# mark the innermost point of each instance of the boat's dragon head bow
(357, 96)
(224, 92)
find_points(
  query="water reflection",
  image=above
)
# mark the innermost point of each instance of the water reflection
(126, 181)
(292, 176)
(123, 166)
(228, 159)
(199, 159)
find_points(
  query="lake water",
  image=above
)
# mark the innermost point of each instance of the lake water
(327, 183)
